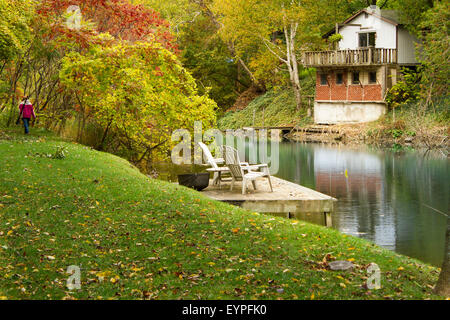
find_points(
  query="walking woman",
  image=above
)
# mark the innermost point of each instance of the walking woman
(26, 111)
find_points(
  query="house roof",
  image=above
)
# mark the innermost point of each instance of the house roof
(390, 16)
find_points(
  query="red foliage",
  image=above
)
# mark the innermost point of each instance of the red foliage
(119, 18)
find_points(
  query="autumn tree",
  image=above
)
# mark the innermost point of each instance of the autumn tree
(15, 36)
(279, 29)
(137, 94)
(54, 39)
(119, 18)
(212, 61)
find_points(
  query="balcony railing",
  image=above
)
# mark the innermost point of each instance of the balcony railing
(368, 56)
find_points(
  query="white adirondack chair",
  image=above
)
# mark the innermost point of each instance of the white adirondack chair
(237, 170)
(218, 171)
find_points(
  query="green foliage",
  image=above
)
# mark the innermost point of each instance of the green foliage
(334, 41)
(412, 12)
(434, 53)
(335, 38)
(14, 27)
(405, 91)
(396, 133)
(207, 57)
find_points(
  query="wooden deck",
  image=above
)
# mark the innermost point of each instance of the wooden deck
(288, 197)
(358, 57)
(282, 129)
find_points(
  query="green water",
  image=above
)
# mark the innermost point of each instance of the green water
(399, 200)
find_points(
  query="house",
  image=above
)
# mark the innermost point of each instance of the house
(352, 81)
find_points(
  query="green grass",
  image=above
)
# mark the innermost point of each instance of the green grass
(274, 108)
(136, 238)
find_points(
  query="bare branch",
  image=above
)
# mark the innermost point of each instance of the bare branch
(265, 41)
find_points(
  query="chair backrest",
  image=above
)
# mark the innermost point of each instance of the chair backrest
(233, 162)
(208, 156)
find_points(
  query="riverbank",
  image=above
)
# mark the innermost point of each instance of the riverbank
(378, 133)
(65, 204)
(404, 128)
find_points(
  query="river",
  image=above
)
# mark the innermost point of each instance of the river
(399, 200)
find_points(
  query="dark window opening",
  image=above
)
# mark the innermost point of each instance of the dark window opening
(367, 39)
(323, 79)
(339, 78)
(372, 77)
(371, 36)
(355, 79)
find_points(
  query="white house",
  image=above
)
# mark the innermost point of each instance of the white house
(352, 81)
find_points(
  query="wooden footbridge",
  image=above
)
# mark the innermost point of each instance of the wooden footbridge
(284, 129)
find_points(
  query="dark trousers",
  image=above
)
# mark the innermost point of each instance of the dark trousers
(26, 124)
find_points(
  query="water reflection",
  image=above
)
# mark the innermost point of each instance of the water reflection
(397, 200)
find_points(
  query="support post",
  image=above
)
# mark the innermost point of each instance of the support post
(327, 219)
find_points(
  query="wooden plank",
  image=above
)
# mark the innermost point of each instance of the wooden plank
(269, 128)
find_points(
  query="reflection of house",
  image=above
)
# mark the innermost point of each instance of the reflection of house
(352, 81)
(363, 173)
(361, 193)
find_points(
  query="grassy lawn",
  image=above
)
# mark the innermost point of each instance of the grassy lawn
(139, 238)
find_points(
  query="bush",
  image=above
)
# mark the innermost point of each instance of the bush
(406, 91)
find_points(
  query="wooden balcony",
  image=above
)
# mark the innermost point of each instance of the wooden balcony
(358, 57)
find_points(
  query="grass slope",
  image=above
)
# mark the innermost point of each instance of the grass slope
(136, 238)
(274, 108)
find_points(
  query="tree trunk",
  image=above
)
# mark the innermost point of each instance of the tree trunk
(291, 61)
(105, 134)
(14, 80)
(443, 285)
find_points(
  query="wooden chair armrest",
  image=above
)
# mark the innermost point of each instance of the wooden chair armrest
(220, 169)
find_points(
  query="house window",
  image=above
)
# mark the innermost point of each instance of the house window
(372, 77)
(367, 39)
(323, 79)
(339, 78)
(355, 77)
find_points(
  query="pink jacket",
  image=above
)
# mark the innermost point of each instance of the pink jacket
(28, 110)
